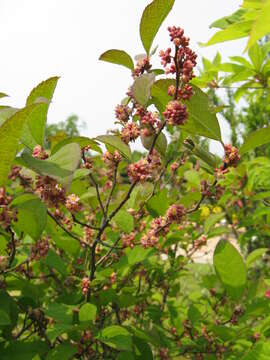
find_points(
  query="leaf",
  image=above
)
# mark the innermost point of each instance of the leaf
(21, 350)
(35, 128)
(224, 22)
(119, 57)
(60, 166)
(81, 140)
(64, 351)
(230, 268)
(257, 138)
(255, 255)
(260, 351)
(117, 337)
(4, 318)
(261, 26)
(87, 312)
(61, 313)
(116, 143)
(32, 215)
(124, 221)
(141, 88)
(2, 95)
(10, 132)
(232, 32)
(6, 112)
(160, 145)
(201, 120)
(153, 16)
(54, 261)
(158, 204)
(211, 221)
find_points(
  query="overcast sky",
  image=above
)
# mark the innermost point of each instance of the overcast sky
(40, 39)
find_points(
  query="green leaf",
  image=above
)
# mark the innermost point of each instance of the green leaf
(60, 166)
(116, 143)
(124, 221)
(2, 95)
(117, 337)
(35, 128)
(4, 318)
(255, 255)
(260, 351)
(256, 56)
(6, 112)
(87, 312)
(224, 22)
(211, 221)
(10, 132)
(119, 57)
(159, 203)
(153, 16)
(61, 313)
(54, 261)
(232, 32)
(160, 145)
(32, 215)
(63, 351)
(21, 350)
(125, 356)
(81, 140)
(261, 26)
(141, 88)
(257, 138)
(230, 268)
(202, 120)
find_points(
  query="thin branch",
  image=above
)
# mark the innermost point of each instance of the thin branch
(98, 193)
(83, 224)
(112, 189)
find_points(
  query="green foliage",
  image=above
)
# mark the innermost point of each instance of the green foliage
(109, 253)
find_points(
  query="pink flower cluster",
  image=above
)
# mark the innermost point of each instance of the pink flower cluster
(175, 213)
(175, 113)
(73, 203)
(112, 158)
(122, 113)
(40, 249)
(142, 65)
(140, 171)
(231, 155)
(50, 191)
(7, 215)
(128, 240)
(130, 132)
(85, 286)
(39, 153)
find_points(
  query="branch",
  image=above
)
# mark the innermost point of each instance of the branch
(83, 224)
(98, 193)
(112, 189)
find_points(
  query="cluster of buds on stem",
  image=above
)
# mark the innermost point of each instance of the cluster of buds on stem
(50, 191)
(182, 65)
(39, 153)
(142, 65)
(122, 113)
(231, 155)
(7, 215)
(73, 203)
(85, 286)
(40, 249)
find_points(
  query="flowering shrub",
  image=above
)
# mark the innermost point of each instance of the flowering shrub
(99, 248)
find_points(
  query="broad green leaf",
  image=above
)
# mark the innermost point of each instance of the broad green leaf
(232, 32)
(10, 132)
(260, 351)
(87, 312)
(124, 221)
(24, 350)
(256, 56)
(61, 313)
(2, 95)
(60, 166)
(224, 22)
(153, 16)
(64, 351)
(230, 268)
(257, 138)
(32, 215)
(211, 221)
(125, 356)
(117, 337)
(261, 26)
(119, 57)
(202, 120)
(142, 349)
(35, 128)
(4, 318)
(159, 203)
(138, 254)
(6, 112)
(81, 140)
(255, 255)
(116, 143)
(54, 261)
(160, 145)
(141, 88)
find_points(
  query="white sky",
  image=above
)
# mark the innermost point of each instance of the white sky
(40, 39)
